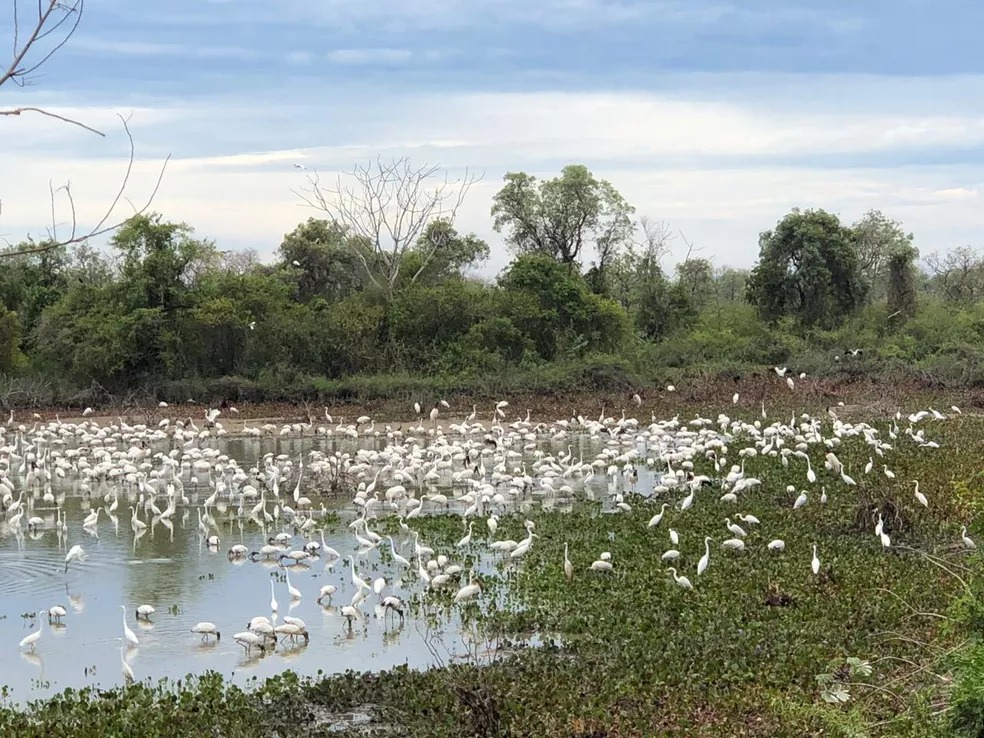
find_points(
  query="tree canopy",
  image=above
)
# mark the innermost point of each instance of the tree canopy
(561, 217)
(808, 268)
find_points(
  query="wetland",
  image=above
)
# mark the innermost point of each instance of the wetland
(812, 591)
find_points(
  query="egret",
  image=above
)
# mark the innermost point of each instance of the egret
(967, 540)
(31, 639)
(705, 559)
(131, 637)
(682, 581)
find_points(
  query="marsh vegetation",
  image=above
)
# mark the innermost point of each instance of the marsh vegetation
(872, 632)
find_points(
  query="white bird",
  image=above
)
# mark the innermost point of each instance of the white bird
(295, 593)
(469, 591)
(273, 599)
(131, 637)
(145, 611)
(32, 638)
(655, 519)
(815, 563)
(206, 629)
(682, 581)
(705, 559)
(777, 544)
(736, 530)
(967, 540)
(56, 613)
(919, 495)
(75, 553)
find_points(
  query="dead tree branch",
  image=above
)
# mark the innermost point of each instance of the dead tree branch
(385, 208)
(54, 17)
(51, 16)
(106, 224)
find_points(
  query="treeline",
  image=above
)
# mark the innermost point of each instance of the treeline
(378, 287)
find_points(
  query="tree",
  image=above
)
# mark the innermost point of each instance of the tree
(808, 268)
(637, 266)
(320, 261)
(451, 253)
(878, 240)
(696, 279)
(901, 286)
(729, 285)
(384, 208)
(551, 303)
(958, 275)
(38, 35)
(559, 217)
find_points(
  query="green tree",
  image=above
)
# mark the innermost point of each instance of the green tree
(31, 282)
(550, 301)
(808, 268)
(696, 280)
(878, 240)
(321, 262)
(11, 357)
(559, 217)
(729, 285)
(442, 253)
(901, 286)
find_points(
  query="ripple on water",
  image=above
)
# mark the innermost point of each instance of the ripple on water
(45, 576)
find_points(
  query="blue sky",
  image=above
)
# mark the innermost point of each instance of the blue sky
(714, 116)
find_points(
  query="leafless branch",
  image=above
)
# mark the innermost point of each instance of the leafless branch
(104, 225)
(62, 17)
(56, 116)
(51, 15)
(690, 248)
(656, 237)
(385, 207)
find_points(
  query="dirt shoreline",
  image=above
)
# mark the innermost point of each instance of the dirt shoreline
(873, 397)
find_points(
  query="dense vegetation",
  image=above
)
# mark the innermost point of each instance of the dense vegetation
(175, 315)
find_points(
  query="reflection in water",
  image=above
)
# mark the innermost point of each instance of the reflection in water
(142, 551)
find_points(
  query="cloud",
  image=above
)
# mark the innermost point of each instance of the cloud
(719, 170)
(149, 48)
(369, 56)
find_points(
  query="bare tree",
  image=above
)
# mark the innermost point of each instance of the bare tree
(385, 208)
(656, 237)
(37, 37)
(958, 275)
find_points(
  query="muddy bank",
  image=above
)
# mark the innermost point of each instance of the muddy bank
(872, 396)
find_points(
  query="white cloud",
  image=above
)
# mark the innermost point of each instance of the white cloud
(369, 56)
(143, 48)
(671, 158)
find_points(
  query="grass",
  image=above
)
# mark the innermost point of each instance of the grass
(752, 650)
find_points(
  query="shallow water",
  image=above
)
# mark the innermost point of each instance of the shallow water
(186, 582)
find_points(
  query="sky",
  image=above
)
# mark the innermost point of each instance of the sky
(716, 117)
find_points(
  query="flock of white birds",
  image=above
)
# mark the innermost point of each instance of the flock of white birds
(176, 472)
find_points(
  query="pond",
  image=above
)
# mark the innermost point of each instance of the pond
(165, 561)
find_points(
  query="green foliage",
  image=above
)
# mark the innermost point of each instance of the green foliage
(169, 312)
(555, 306)
(808, 268)
(319, 260)
(559, 217)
